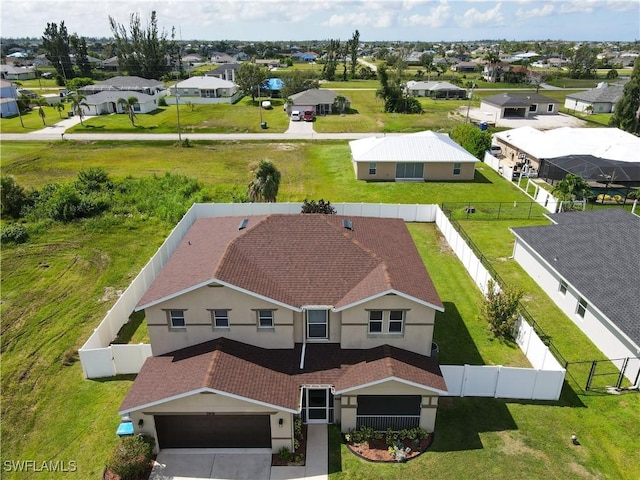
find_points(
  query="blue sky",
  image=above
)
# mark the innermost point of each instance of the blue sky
(297, 20)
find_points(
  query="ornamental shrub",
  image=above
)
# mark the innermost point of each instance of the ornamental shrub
(13, 233)
(131, 456)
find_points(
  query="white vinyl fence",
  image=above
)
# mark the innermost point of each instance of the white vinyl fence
(100, 358)
(540, 195)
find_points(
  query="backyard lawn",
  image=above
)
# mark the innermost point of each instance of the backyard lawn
(57, 287)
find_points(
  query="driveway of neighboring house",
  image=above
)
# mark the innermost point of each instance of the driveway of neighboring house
(540, 122)
(206, 464)
(300, 128)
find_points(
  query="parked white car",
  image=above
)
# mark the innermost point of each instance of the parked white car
(296, 115)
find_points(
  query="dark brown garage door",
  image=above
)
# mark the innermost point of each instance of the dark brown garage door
(213, 431)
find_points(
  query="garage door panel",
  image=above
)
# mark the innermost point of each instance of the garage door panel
(213, 431)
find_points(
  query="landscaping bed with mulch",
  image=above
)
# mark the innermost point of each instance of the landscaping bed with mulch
(285, 458)
(390, 446)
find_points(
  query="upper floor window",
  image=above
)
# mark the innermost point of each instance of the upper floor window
(176, 320)
(582, 307)
(457, 167)
(220, 318)
(563, 287)
(386, 321)
(265, 318)
(317, 324)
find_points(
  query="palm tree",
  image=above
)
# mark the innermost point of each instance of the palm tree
(127, 106)
(77, 103)
(43, 115)
(340, 103)
(265, 184)
(60, 108)
(572, 188)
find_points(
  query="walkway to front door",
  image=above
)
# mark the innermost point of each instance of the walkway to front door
(316, 464)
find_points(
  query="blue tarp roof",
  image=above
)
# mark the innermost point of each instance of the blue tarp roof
(273, 84)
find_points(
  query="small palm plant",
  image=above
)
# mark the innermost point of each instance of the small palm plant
(128, 107)
(78, 102)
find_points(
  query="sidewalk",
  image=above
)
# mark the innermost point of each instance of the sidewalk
(317, 461)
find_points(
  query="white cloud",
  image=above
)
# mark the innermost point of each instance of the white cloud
(361, 19)
(535, 12)
(473, 17)
(578, 6)
(438, 17)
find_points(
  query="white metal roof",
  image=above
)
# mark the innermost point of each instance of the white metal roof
(424, 146)
(610, 143)
(204, 82)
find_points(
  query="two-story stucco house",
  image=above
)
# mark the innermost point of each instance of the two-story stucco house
(255, 320)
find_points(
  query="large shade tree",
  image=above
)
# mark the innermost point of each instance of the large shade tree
(249, 77)
(627, 113)
(265, 184)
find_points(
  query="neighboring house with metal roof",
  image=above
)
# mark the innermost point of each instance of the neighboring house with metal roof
(535, 145)
(204, 90)
(255, 320)
(599, 100)
(8, 96)
(518, 105)
(126, 83)
(416, 156)
(587, 263)
(321, 101)
(435, 90)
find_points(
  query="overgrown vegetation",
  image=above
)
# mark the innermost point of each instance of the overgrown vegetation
(472, 139)
(500, 309)
(317, 207)
(131, 456)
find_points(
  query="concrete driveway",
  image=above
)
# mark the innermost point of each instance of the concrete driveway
(205, 464)
(300, 128)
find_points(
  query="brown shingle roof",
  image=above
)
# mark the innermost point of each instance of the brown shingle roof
(272, 376)
(298, 260)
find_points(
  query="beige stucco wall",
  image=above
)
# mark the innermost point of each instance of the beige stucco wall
(386, 171)
(203, 403)
(349, 403)
(444, 171)
(418, 327)
(242, 320)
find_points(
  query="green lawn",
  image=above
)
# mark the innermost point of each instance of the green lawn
(57, 287)
(32, 121)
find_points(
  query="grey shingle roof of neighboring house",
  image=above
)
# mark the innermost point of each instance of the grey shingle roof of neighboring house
(114, 96)
(517, 99)
(609, 94)
(220, 70)
(314, 96)
(125, 82)
(598, 252)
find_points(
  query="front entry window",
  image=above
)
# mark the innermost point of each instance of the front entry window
(318, 405)
(317, 324)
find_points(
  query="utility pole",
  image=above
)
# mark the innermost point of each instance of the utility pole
(473, 85)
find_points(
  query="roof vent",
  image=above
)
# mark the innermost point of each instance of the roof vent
(346, 223)
(243, 224)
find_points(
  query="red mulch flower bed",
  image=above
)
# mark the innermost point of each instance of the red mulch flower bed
(378, 450)
(297, 458)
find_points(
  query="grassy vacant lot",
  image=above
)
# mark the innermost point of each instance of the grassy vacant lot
(57, 287)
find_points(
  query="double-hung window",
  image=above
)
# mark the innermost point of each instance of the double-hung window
(372, 168)
(317, 324)
(386, 321)
(457, 167)
(220, 318)
(582, 307)
(563, 287)
(265, 318)
(176, 320)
